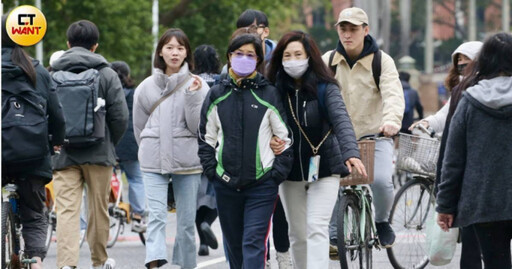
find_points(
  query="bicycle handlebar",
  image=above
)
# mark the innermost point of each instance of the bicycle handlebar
(372, 136)
(431, 132)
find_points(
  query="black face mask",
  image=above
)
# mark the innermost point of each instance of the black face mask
(461, 68)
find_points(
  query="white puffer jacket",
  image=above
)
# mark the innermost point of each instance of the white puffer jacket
(168, 137)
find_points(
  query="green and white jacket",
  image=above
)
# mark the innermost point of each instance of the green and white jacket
(236, 126)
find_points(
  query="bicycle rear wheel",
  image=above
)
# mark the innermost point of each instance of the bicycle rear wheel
(408, 219)
(10, 242)
(115, 226)
(352, 250)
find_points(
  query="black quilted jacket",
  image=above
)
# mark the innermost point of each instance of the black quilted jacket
(339, 146)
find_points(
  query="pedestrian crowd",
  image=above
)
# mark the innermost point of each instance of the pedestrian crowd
(261, 143)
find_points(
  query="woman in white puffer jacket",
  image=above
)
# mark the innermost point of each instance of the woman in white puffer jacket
(461, 57)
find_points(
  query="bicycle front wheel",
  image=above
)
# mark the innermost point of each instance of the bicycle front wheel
(353, 251)
(10, 243)
(142, 238)
(50, 216)
(408, 219)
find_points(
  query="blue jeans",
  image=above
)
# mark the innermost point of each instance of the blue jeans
(185, 193)
(135, 185)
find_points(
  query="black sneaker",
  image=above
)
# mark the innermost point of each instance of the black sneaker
(386, 234)
(209, 236)
(203, 250)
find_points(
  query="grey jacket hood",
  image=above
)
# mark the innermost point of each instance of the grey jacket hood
(493, 95)
(79, 56)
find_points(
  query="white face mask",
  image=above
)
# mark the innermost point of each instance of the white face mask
(296, 68)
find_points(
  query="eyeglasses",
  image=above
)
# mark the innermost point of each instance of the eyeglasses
(239, 54)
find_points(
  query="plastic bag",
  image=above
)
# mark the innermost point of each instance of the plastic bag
(441, 245)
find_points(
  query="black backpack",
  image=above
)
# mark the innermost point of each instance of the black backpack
(83, 108)
(24, 124)
(376, 66)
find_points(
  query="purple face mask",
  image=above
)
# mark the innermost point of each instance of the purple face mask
(243, 66)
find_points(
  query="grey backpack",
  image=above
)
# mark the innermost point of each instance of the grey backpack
(83, 107)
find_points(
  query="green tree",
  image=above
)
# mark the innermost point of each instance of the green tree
(125, 26)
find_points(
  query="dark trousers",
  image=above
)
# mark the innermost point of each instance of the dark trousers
(494, 239)
(32, 196)
(280, 229)
(471, 256)
(245, 220)
(204, 214)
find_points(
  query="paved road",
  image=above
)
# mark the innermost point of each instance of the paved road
(129, 253)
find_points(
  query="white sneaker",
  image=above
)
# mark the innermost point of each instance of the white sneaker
(109, 264)
(283, 260)
(139, 226)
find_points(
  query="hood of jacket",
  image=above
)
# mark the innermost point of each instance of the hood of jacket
(370, 46)
(9, 69)
(169, 83)
(469, 49)
(76, 56)
(270, 45)
(493, 96)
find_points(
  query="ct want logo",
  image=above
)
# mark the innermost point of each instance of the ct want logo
(26, 25)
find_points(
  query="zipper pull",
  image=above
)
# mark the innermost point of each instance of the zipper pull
(305, 117)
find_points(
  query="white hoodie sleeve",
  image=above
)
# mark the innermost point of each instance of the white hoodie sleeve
(438, 120)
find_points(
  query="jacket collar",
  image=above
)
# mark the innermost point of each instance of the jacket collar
(366, 61)
(169, 83)
(249, 83)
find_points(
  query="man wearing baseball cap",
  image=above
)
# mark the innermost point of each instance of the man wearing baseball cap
(375, 102)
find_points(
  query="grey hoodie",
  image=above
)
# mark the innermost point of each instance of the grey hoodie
(117, 111)
(476, 179)
(493, 93)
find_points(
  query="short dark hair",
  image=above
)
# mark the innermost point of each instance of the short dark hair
(249, 16)
(182, 38)
(83, 33)
(244, 39)
(123, 72)
(206, 60)
(404, 76)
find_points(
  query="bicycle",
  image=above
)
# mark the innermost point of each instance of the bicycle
(51, 215)
(13, 255)
(356, 231)
(411, 208)
(119, 211)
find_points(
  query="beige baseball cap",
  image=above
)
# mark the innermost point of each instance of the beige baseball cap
(353, 15)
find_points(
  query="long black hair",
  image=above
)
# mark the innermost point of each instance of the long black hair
(494, 60)
(317, 71)
(18, 57)
(244, 39)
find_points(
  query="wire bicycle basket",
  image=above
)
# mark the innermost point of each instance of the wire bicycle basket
(418, 154)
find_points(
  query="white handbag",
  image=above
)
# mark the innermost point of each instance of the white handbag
(441, 245)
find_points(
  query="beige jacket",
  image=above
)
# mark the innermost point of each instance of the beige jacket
(368, 107)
